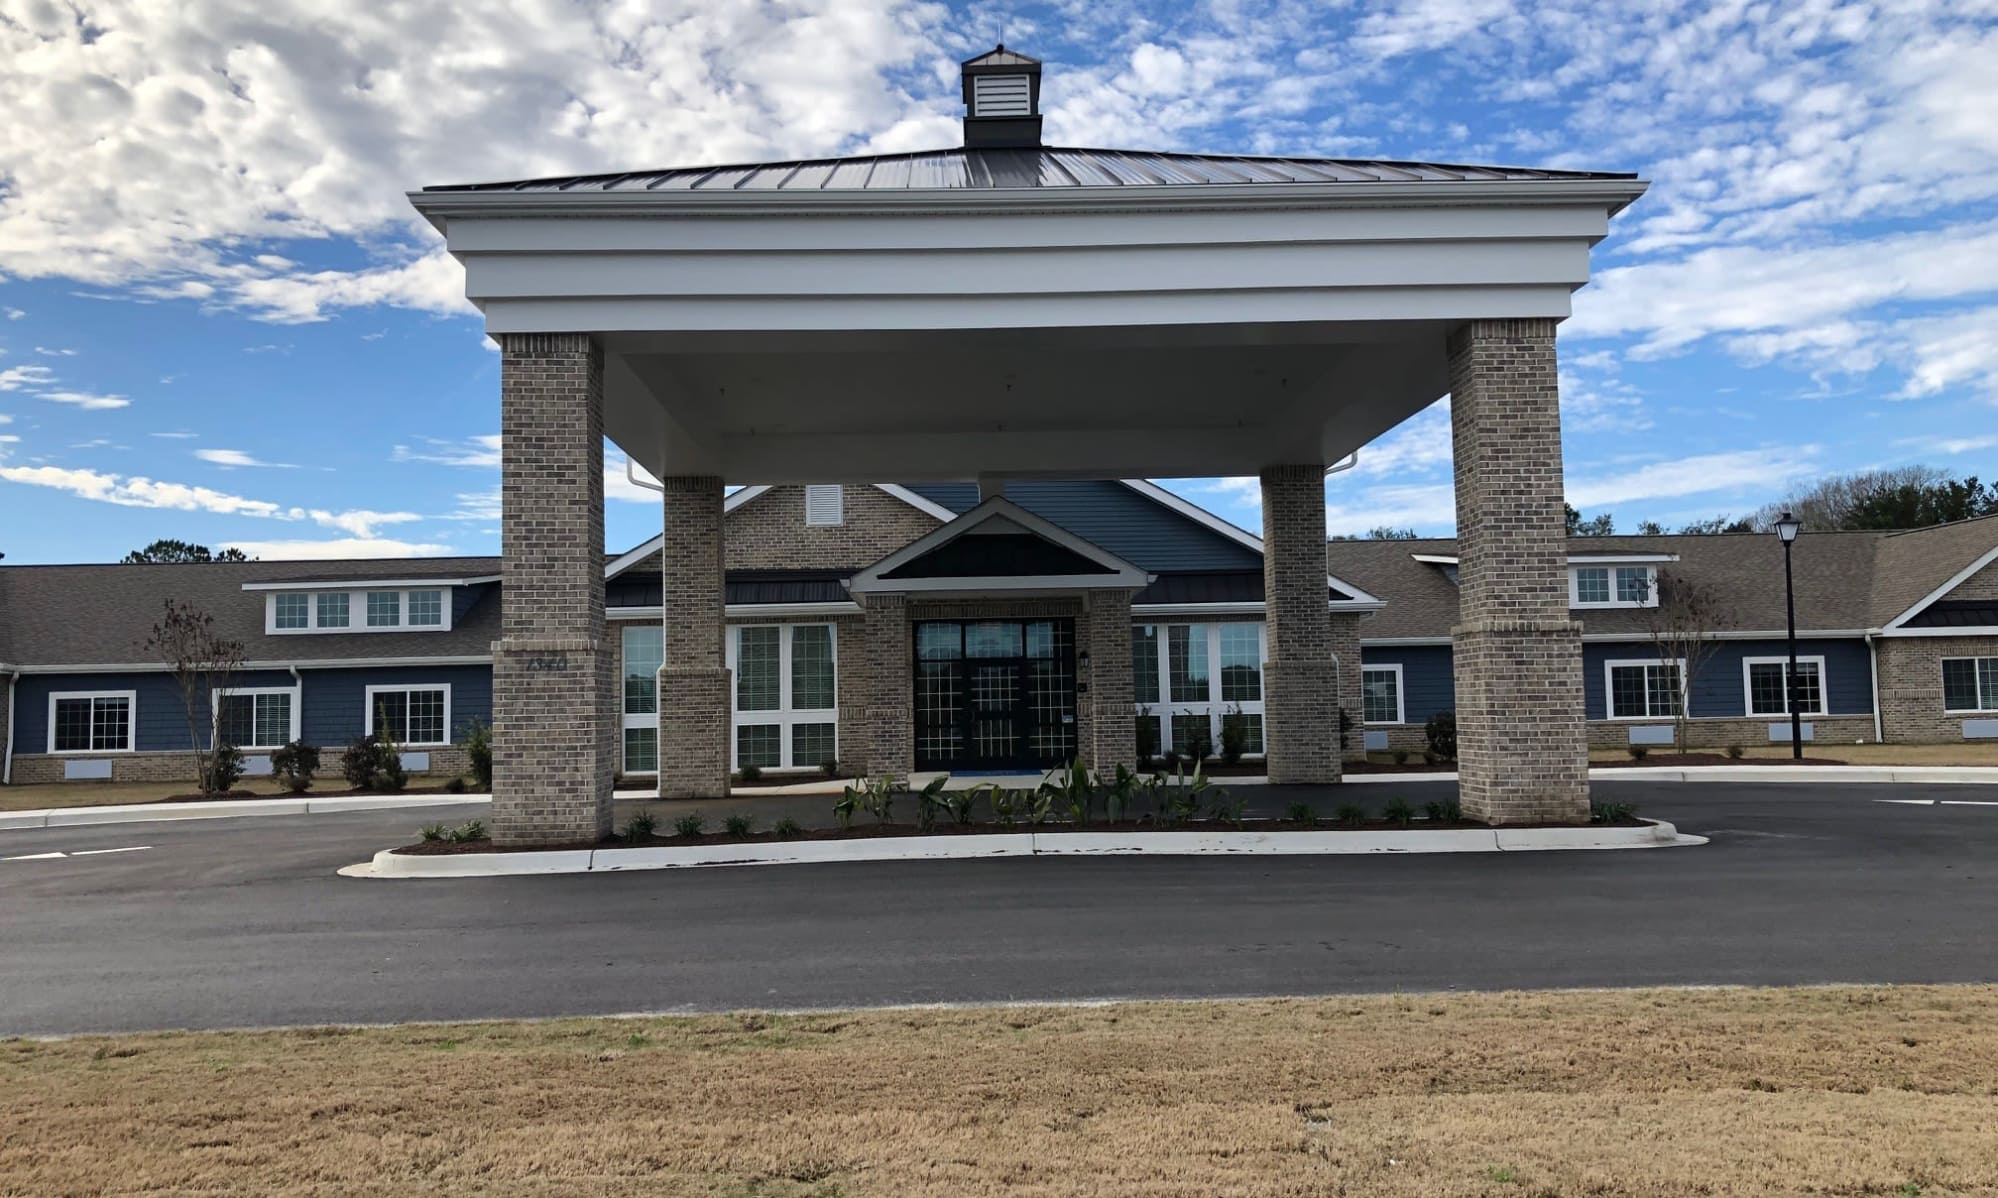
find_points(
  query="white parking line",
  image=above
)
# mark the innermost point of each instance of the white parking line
(136, 848)
(1942, 802)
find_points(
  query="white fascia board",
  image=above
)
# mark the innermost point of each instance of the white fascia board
(1236, 609)
(1117, 571)
(1613, 195)
(1638, 638)
(1443, 559)
(369, 584)
(1958, 579)
(1982, 630)
(917, 501)
(1433, 559)
(632, 557)
(747, 610)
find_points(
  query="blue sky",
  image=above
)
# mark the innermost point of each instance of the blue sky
(219, 320)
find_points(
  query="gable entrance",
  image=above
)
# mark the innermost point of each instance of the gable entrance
(994, 694)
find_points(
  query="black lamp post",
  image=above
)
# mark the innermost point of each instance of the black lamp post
(1786, 529)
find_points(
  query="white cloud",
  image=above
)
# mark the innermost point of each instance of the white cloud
(138, 491)
(5, 418)
(17, 377)
(88, 401)
(1752, 472)
(361, 523)
(175, 436)
(1948, 445)
(342, 548)
(236, 457)
(480, 451)
(55, 353)
(476, 505)
(15, 314)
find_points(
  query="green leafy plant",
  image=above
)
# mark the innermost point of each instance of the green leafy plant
(293, 764)
(739, 825)
(1440, 733)
(479, 751)
(1008, 805)
(829, 767)
(787, 829)
(225, 769)
(433, 831)
(689, 825)
(1400, 756)
(1228, 809)
(1119, 795)
(1736, 752)
(1351, 815)
(1040, 804)
(1074, 791)
(455, 786)
(1181, 798)
(471, 829)
(847, 804)
(930, 802)
(750, 774)
(878, 797)
(1601, 812)
(373, 763)
(1234, 734)
(1638, 752)
(1300, 812)
(961, 804)
(640, 827)
(1398, 812)
(1445, 812)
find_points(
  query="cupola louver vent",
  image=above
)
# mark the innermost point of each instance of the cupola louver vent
(1002, 100)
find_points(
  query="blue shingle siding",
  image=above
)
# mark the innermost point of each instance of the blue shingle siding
(1717, 689)
(336, 700)
(159, 723)
(1113, 517)
(1428, 683)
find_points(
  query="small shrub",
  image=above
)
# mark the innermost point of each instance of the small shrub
(456, 786)
(1638, 752)
(293, 764)
(739, 825)
(357, 764)
(829, 767)
(433, 831)
(1440, 733)
(879, 799)
(1351, 814)
(1611, 813)
(1444, 812)
(471, 829)
(960, 804)
(640, 827)
(1040, 804)
(750, 774)
(1229, 809)
(689, 825)
(1007, 805)
(930, 801)
(1400, 756)
(373, 763)
(846, 804)
(1735, 752)
(1300, 812)
(479, 748)
(1398, 812)
(787, 829)
(225, 769)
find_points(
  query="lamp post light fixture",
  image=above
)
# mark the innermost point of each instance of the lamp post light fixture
(1787, 526)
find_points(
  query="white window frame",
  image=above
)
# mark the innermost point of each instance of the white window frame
(1575, 585)
(1400, 693)
(818, 495)
(1979, 670)
(357, 611)
(1214, 707)
(628, 720)
(1748, 689)
(784, 715)
(1609, 687)
(215, 698)
(368, 710)
(131, 723)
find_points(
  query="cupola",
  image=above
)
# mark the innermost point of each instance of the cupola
(1002, 100)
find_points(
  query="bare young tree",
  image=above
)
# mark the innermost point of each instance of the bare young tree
(1683, 627)
(202, 661)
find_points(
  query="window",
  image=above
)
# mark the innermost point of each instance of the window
(91, 721)
(1187, 678)
(384, 609)
(787, 689)
(255, 717)
(1380, 694)
(644, 653)
(292, 611)
(410, 715)
(1970, 683)
(1763, 679)
(1612, 586)
(825, 505)
(426, 609)
(1644, 690)
(331, 607)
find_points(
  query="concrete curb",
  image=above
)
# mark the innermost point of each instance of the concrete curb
(1654, 834)
(1959, 774)
(133, 813)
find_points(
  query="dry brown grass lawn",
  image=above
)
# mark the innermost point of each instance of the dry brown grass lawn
(94, 794)
(1756, 1092)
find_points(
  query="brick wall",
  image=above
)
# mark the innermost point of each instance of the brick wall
(694, 724)
(1106, 695)
(1301, 681)
(1522, 743)
(1346, 652)
(769, 532)
(886, 720)
(1911, 694)
(446, 761)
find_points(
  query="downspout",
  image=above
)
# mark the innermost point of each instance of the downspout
(298, 708)
(1873, 666)
(7, 753)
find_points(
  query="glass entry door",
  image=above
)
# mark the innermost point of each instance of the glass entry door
(994, 694)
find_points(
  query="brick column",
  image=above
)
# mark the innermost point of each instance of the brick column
(1112, 699)
(1300, 683)
(1522, 743)
(889, 719)
(694, 695)
(1346, 651)
(552, 729)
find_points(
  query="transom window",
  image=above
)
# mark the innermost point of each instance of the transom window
(255, 717)
(1767, 692)
(786, 695)
(1644, 690)
(411, 715)
(91, 721)
(1612, 586)
(376, 610)
(1970, 683)
(1188, 677)
(1380, 694)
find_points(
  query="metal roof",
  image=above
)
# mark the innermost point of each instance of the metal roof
(963, 168)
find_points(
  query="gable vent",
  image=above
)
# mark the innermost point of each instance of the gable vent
(825, 505)
(1001, 95)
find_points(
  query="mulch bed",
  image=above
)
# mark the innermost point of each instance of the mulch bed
(316, 794)
(1717, 759)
